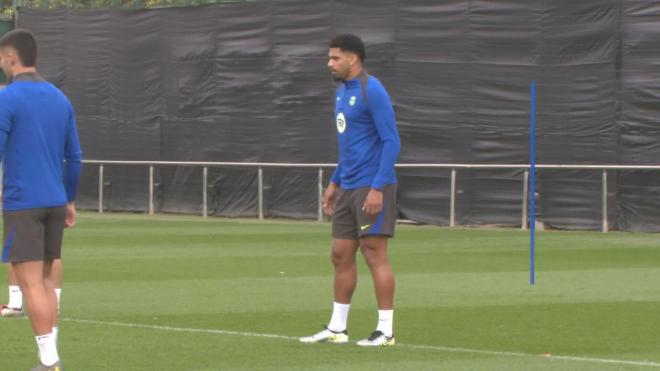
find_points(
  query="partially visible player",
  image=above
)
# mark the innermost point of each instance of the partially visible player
(41, 158)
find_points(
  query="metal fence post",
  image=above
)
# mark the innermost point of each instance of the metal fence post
(205, 182)
(260, 192)
(101, 188)
(320, 195)
(605, 222)
(151, 190)
(452, 200)
(525, 216)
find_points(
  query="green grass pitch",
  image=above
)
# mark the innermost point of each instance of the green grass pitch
(184, 293)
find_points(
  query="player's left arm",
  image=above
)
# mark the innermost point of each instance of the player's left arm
(382, 112)
(73, 159)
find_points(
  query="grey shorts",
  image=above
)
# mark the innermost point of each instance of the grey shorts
(349, 222)
(33, 234)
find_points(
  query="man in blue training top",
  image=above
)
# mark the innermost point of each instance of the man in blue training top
(362, 194)
(37, 135)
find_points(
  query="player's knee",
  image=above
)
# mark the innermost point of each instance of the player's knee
(374, 255)
(339, 258)
(27, 280)
(335, 258)
(29, 286)
(369, 253)
(49, 283)
(369, 247)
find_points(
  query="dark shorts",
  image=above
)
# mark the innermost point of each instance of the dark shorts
(349, 222)
(33, 234)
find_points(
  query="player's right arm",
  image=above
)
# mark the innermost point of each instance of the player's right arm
(330, 194)
(73, 158)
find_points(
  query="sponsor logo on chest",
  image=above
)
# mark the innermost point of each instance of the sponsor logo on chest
(341, 123)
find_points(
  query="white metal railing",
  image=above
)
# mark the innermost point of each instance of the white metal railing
(321, 166)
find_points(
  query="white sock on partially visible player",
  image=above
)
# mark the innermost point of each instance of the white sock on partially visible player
(47, 349)
(385, 319)
(339, 317)
(15, 297)
(58, 293)
(55, 331)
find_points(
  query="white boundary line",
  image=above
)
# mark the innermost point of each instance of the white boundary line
(179, 329)
(546, 356)
(412, 346)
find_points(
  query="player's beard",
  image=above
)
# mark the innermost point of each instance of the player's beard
(338, 77)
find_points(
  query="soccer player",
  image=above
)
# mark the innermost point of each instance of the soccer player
(14, 307)
(41, 162)
(361, 196)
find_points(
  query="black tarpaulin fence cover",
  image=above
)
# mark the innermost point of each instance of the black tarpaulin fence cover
(248, 82)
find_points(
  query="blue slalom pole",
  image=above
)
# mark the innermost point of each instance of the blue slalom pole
(532, 181)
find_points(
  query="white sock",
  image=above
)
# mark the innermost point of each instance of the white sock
(339, 317)
(47, 349)
(15, 297)
(385, 319)
(58, 293)
(56, 330)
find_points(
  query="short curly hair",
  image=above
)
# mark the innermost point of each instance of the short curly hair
(349, 43)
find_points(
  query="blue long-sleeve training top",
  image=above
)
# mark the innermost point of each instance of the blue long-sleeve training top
(37, 135)
(367, 135)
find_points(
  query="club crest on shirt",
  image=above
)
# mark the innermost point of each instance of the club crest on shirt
(341, 123)
(352, 101)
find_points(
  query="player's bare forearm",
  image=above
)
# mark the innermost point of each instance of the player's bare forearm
(330, 198)
(70, 220)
